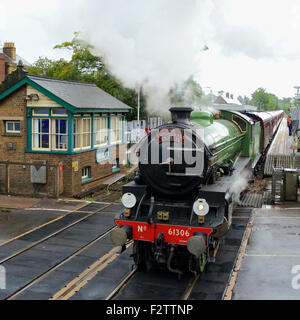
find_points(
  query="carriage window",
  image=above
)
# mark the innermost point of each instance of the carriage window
(241, 123)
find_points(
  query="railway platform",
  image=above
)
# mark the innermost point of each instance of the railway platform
(270, 266)
(281, 152)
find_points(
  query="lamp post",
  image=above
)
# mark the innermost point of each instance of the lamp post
(138, 107)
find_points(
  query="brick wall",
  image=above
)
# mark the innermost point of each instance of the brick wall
(98, 170)
(14, 107)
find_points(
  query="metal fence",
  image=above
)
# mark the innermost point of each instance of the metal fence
(36, 178)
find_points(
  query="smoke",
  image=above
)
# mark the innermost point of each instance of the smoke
(153, 44)
(157, 43)
(239, 185)
(211, 110)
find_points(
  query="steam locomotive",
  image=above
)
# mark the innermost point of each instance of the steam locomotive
(180, 203)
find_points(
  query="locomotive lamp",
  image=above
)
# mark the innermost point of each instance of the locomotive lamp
(200, 207)
(128, 200)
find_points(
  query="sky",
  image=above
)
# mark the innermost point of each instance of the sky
(155, 43)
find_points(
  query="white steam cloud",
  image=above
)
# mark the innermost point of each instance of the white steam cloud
(239, 185)
(157, 43)
(152, 44)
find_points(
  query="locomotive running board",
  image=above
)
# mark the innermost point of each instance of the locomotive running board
(217, 192)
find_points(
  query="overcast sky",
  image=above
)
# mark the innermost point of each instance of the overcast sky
(252, 43)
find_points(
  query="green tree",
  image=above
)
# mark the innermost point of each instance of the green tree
(264, 100)
(244, 100)
(260, 98)
(86, 67)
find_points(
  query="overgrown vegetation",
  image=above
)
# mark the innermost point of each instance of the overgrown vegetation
(84, 66)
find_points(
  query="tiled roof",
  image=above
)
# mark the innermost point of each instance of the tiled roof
(80, 95)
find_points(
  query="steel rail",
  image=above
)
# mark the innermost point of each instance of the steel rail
(46, 273)
(190, 287)
(53, 234)
(81, 280)
(44, 224)
(122, 284)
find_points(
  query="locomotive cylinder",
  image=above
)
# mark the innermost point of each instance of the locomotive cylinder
(120, 235)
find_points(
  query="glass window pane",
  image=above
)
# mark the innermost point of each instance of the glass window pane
(59, 112)
(45, 125)
(35, 128)
(17, 126)
(41, 111)
(35, 140)
(10, 126)
(77, 141)
(63, 126)
(45, 141)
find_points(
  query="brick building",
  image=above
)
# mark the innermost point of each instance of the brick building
(71, 124)
(226, 99)
(9, 60)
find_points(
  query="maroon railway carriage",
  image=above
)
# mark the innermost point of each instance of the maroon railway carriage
(269, 123)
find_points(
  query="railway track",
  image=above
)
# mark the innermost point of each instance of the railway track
(16, 253)
(48, 272)
(38, 269)
(111, 276)
(210, 285)
(81, 280)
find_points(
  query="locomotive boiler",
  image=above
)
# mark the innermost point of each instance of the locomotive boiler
(180, 203)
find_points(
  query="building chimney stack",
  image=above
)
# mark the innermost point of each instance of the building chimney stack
(10, 50)
(2, 67)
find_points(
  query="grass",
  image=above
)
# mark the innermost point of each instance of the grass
(107, 191)
(89, 199)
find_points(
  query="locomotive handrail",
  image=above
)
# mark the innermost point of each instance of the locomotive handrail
(216, 153)
(179, 174)
(138, 208)
(222, 143)
(185, 149)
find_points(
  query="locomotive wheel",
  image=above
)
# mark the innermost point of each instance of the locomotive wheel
(142, 255)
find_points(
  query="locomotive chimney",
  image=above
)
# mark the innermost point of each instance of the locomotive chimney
(181, 114)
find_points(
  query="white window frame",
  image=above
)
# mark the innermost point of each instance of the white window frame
(59, 115)
(52, 135)
(114, 130)
(81, 133)
(14, 125)
(87, 173)
(39, 114)
(102, 132)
